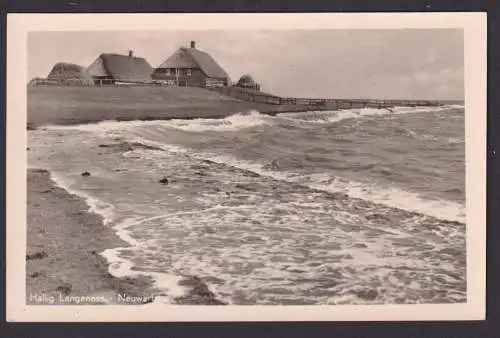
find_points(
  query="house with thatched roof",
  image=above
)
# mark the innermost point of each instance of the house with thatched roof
(191, 67)
(117, 68)
(68, 74)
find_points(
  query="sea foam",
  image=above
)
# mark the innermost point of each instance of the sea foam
(389, 196)
(123, 267)
(333, 116)
(232, 122)
(105, 210)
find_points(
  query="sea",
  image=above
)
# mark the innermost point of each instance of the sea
(360, 206)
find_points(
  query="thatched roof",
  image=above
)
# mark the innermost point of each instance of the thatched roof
(195, 58)
(64, 71)
(33, 82)
(180, 59)
(122, 67)
(246, 80)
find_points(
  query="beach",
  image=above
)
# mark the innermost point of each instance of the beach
(64, 240)
(328, 207)
(63, 261)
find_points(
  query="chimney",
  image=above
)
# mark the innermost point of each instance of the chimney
(193, 44)
(130, 53)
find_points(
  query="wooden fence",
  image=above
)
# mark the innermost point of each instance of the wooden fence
(259, 97)
(112, 83)
(95, 83)
(334, 104)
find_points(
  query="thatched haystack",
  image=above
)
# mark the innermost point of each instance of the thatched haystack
(70, 74)
(33, 82)
(246, 81)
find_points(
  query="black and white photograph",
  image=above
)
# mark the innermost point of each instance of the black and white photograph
(248, 167)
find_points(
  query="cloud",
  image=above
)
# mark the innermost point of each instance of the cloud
(417, 63)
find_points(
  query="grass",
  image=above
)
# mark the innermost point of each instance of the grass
(75, 105)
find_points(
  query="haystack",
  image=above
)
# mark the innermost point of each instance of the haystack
(70, 73)
(246, 81)
(33, 82)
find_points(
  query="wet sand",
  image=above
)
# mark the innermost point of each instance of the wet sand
(63, 261)
(63, 245)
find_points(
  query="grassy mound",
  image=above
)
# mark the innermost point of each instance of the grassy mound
(75, 105)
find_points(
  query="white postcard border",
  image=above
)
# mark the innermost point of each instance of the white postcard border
(18, 27)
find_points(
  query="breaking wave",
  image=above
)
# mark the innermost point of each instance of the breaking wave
(429, 137)
(263, 230)
(233, 122)
(334, 116)
(389, 196)
(230, 123)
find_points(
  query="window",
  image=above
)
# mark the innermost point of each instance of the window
(167, 71)
(188, 72)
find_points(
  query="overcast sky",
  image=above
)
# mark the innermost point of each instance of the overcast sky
(423, 63)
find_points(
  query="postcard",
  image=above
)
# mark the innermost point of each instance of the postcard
(246, 167)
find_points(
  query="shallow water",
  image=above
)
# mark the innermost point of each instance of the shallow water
(353, 207)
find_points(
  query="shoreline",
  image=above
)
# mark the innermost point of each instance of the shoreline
(81, 105)
(76, 121)
(72, 122)
(64, 242)
(73, 105)
(64, 261)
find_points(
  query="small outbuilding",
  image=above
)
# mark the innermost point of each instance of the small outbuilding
(191, 67)
(117, 68)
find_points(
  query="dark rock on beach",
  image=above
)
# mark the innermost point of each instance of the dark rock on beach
(86, 174)
(376, 216)
(199, 294)
(252, 239)
(39, 171)
(338, 196)
(209, 230)
(366, 294)
(64, 288)
(163, 181)
(36, 255)
(199, 167)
